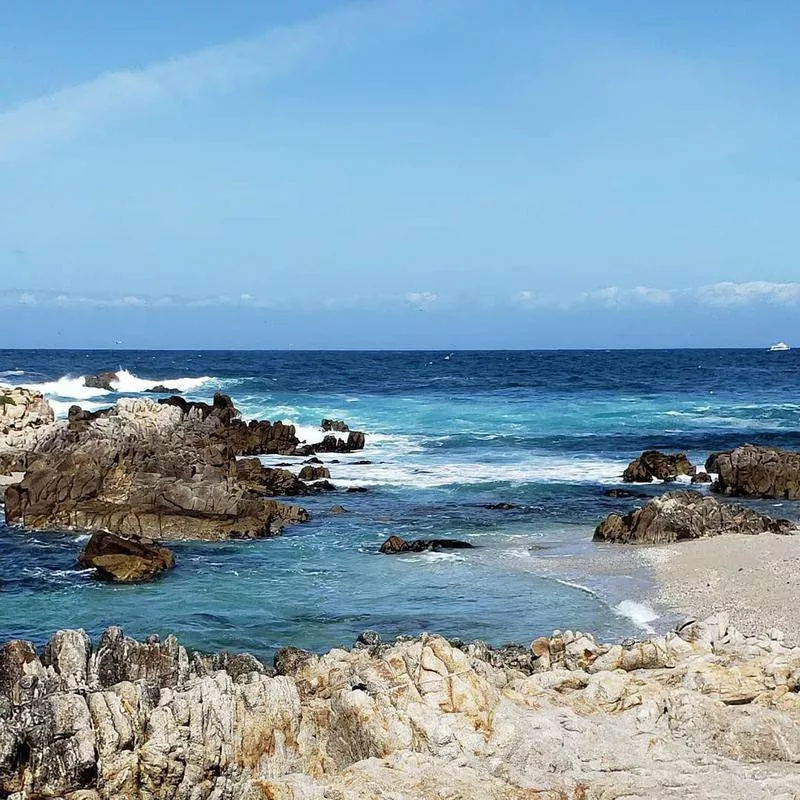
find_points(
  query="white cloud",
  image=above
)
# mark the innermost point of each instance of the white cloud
(739, 294)
(724, 294)
(120, 94)
(422, 300)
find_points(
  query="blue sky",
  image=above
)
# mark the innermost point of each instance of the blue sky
(399, 173)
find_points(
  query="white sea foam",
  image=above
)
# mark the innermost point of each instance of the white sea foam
(429, 474)
(10, 372)
(129, 383)
(639, 613)
(68, 387)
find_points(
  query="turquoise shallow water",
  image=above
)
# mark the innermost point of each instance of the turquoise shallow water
(549, 432)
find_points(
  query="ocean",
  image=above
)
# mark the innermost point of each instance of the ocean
(447, 434)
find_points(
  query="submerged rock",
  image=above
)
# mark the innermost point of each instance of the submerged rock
(685, 515)
(752, 471)
(705, 709)
(394, 544)
(125, 559)
(654, 464)
(499, 506)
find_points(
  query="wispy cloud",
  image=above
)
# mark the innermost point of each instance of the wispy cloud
(723, 294)
(120, 94)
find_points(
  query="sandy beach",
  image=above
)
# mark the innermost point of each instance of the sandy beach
(756, 579)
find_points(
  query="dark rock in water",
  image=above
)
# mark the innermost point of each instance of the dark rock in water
(701, 477)
(125, 559)
(357, 489)
(103, 380)
(685, 515)
(752, 471)
(313, 473)
(361, 463)
(290, 660)
(313, 460)
(620, 493)
(499, 506)
(161, 389)
(394, 544)
(355, 441)
(339, 510)
(274, 482)
(334, 425)
(322, 486)
(654, 464)
(333, 444)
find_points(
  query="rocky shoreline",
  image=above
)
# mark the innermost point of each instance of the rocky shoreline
(706, 711)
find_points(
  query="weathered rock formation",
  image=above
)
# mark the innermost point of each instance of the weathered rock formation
(751, 471)
(394, 544)
(24, 416)
(703, 713)
(125, 559)
(654, 464)
(685, 515)
(164, 470)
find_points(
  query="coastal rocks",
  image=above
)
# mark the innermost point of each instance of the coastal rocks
(313, 473)
(394, 544)
(333, 444)
(701, 477)
(164, 470)
(161, 389)
(684, 515)
(654, 464)
(21, 409)
(102, 380)
(707, 709)
(334, 425)
(125, 559)
(752, 471)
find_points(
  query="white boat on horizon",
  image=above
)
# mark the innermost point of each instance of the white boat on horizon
(780, 347)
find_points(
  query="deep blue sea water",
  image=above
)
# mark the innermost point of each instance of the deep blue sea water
(546, 431)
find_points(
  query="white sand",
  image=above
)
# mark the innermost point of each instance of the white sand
(756, 579)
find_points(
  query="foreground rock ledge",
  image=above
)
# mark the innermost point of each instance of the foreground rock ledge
(707, 710)
(685, 515)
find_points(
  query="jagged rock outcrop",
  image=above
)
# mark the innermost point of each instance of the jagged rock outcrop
(707, 711)
(653, 464)
(685, 515)
(163, 470)
(394, 544)
(125, 559)
(752, 471)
